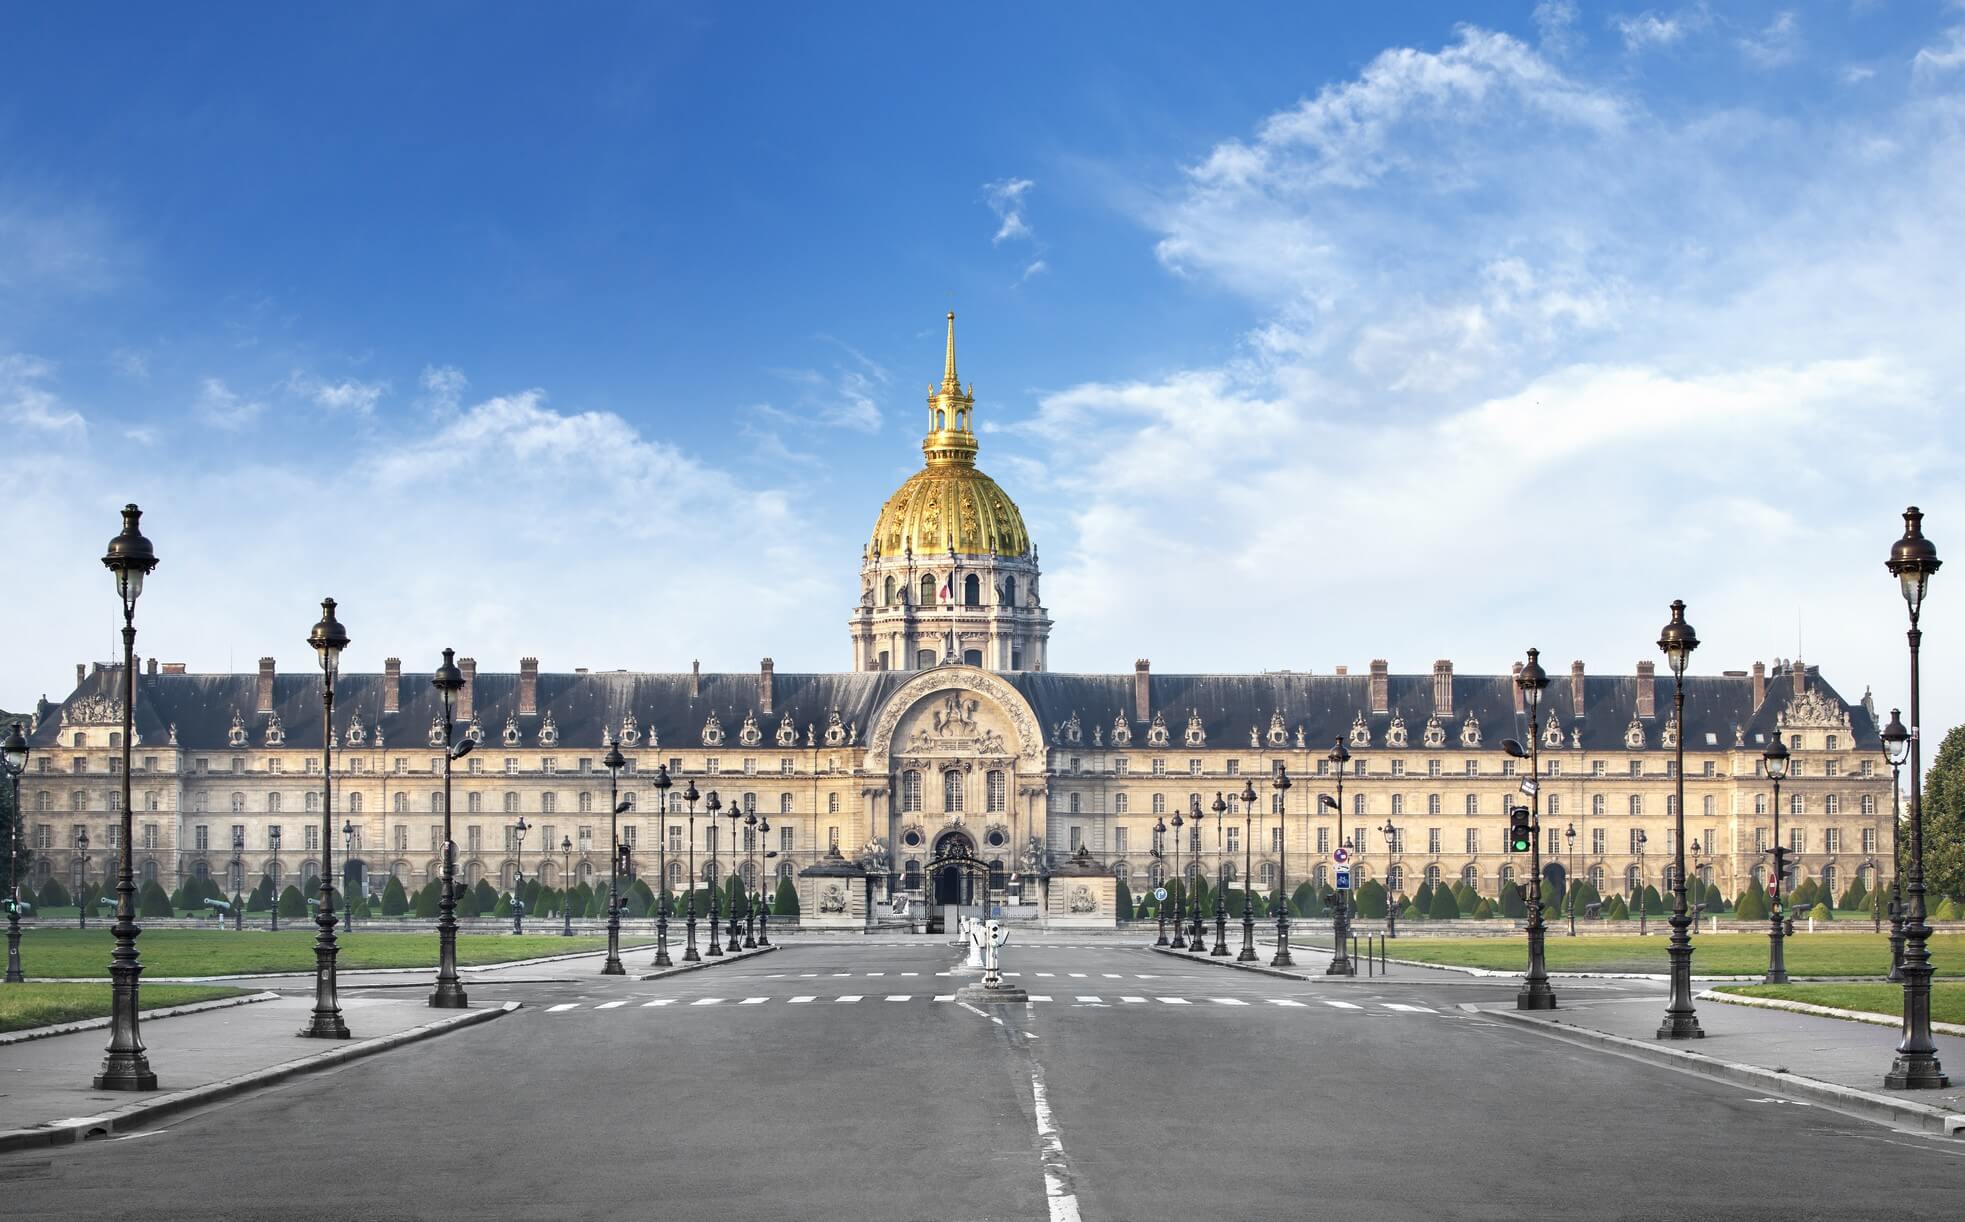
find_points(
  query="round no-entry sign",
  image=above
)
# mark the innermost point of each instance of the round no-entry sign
(1339, 856)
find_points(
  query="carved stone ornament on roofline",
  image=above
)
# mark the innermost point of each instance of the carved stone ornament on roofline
(511, 731)
(787, 732)
(548, 732)
(276, 734)
(1360, 732)
(1030, 744)
(1197, 734)
(1634, 733)
(1122, 734)
(1156, 734)
(236, 736)
(92, 710)
(1395, 734)
(1435, 733)
(712, 731)
(1812, 710)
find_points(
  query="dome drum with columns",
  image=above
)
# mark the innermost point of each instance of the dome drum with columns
(950, 573)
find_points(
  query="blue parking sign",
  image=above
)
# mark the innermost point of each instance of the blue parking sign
(1343, 879)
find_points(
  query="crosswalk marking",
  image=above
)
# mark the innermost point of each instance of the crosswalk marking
(1047, 973)
(944, 997)
(1078, 975)
(753, 1001)
(1228, 1001)
(706, 1001)
(610, 1005)
(1342, 1005)
(1133, 1000)
(1040, 997)
(1284, 1001)
(910, 973)
(1085, 997)
(876, 973)
(850, 997)
(799, 1001)
(899, 996)
(1112, 975)
(1393, 1005)
(565, 1005)
(1176, 1001)
(659, 1001)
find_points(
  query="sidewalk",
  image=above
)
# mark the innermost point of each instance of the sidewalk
(199, 1059)
(1828, 1061)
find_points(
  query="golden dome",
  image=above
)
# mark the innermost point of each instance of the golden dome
(950, 505)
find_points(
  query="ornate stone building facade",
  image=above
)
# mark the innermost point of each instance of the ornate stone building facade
(952, 736)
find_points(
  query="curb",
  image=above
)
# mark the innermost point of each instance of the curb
(136, 1115)
(308, 973)
(1806, 1007)
(1190, 957)
(1866, 1104)
(148, 1016)
(665, 973)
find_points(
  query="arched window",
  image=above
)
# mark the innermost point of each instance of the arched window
(911, 790)
(1357, 804)
(1555, 805)
(1637, 806)
(952, 790)
(911, 875)
(1432, 804)
(1832, 804)
(927, 589)
(1395, 878)
(784, 871)
(548, 803)
(586, 801)
(1159, 804)
(402, 803)
(1398, 803)
(784, 804)
(1433, 875)
(273, 802)
(1633, 881)
(436, 802)
(1009, 591)
(972, 591)
(312, 802)
(995, 797)
(1869, 804)
(887, 600)
(238, 803)
(1471, 875)
(474, 802)
(1118, 799)
(43, 799)
(81, 739)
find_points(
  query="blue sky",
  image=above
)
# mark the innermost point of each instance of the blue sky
(1402, 331)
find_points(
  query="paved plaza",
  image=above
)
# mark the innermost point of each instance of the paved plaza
(1132, 1085)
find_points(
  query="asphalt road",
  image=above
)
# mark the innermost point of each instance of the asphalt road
(828, 1081)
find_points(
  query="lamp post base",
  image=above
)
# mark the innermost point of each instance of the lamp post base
(662, 943)
(326, 1026)
(986, 994)
(1247, 954)
(449, 995)
(125, 1071)
(1282, 956)
(1535, 995)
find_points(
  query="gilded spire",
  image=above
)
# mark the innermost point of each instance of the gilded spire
(951, 437)
(948, 364)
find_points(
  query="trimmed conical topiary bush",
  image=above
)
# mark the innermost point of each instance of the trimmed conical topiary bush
(1443, 907)
(152, 902)
(1753, 903)
(785, 903)
(395, 902)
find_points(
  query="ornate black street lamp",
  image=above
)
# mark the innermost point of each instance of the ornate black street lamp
(82, 885)
(347, 869)
(1535, 993)
(735, 813)
(566, 886)
(1282, 784)
(689, 954)
(1340, 924)
(328, 638)
(449, 993)
(662, 784)
(1896, 750)
(750, 862)
(13, 760)
(1775, 761)
(1180, 895)
(1159, 854)
(613, 761)
(238, 879)
(763, 908)
(1197, 940)
(519, 830)
(273, 877)
(1222, 866)
(1391, 901)
(1247, 953)
(130, 559)
(713, 805)
(1912, 559)
(1638, 891)
(1677, 641)
(1569, 883)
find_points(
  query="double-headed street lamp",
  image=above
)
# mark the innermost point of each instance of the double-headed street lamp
(13, 760)
(713, 804)
(663, 783)
(348, 869)
(130, 559)
(449, 993)
(1281, 783)
(1159, 854)
(1535, 993)
(1247, 954)
(1896, 750)
(764, 909)
(1913, 559)
(328, 638)
(82, 876)
(1222, 866)
(566, 885)
(273, 878)
(1198, 939)
(1340, 924)
(736, 812)
(1180, 895)
(1677, 640)
(519, 830)
(613, 761)
(1775, 761)
(1391, 901)
(750, 863)
(689, 955)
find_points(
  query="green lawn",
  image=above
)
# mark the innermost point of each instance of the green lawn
(66, 953)
(38, 1005)
(1722, 954)
(1947, 997)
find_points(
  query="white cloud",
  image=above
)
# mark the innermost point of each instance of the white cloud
(347, 395)
(27, 403)
(1943, 56)
(846, 398)
(1856, 74)
(131, 363)
(1775, 45)
(1005, 199)
(223, 408)
(1036, 267)
(1650, 31)
(443, 388)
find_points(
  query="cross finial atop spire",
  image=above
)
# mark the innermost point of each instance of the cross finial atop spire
(948, 365)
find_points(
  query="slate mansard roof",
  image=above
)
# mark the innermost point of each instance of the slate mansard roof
(583, 708)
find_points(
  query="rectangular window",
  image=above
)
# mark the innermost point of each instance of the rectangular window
(1507, 767)
(313, 838)
(201, 837)
(784, 839)
(1234, 767)
(1869, 768)
(1433, 840)
(628, 831)
(1760, 840)
(1637, 806)
(1598, 768)
(1473, 840)
(275, 765)
(1637, 838)
(474, 837)
(832, 839)
(549, 765)
(402, 839)
(1357, 767)
(711, 765)
(785, 766)
(1275, 840)
(586, 844)
(311, 766)
(1555, 841)
(1323, 840)
(1398, 767)
(1193, 767)
(1797, 840)
(1159, 767)
(1398, 840)
(1869, 840)
(675, 837)
(1598, 840)
(1553, 768)
(1832, 840)
(1473, 768)
(1234, 839)
(750, 765)
(1433, 767)
(1120, 766)
(149, 835)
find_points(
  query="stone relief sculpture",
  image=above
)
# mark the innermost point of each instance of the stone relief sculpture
(1395, 734)
(510, 735)
(1360, 732)
(1470, 731)
(1552, 737)
(832, 899)
(236, 736)
(1278, 734)
(1122, 734)
(1197, 735)
(276, 733)
(1082, 900)
(1634, 733)
(355, 733)
(1435, 734)
(1156, 734)
(712, 731)
(630, 730)
(748, 734)
(787, 732)
(874, 856)
(835, 729)
(548, 732)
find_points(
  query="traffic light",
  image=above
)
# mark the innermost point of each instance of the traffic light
(1781, 867)
(1520, 839)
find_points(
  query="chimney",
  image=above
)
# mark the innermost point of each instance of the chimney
(767, 685)
(173, 668)
(1381, 688)
(695, 679)
(81, 672)
(1576, 708)
(153, 666)
(1519, 705)
(1647, 689)
(1343, 670)
(467, 696)
(392, 685)
(265, 685)
(1799, 669)
(528, 687)
(1443, 688)
(1759, 685)
(1142, 690)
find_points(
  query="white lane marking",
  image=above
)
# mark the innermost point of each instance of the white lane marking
(807, 975)
(1112, 975)
(1228, 1001)
(1013, 973)
(1342, 1005)
(1058, 1196)
(1077, 975)
(1047, 974)
(753, 1001)
(910, 973)
(842, 973)
(1284, 1001)
(1144, 976)
(876, 973)
(799, 1001)
(1089, 997)
(1395, 1005)
(944, 973)
(1133, 1000)
(659, 1001)
(775, 976)
(979, 1014)
(1040, 997)
(706, 1001)
(610, 1005)
(944, 997)
(565, 1005)
(899, 996)
(1176, 1001)
(850, 997)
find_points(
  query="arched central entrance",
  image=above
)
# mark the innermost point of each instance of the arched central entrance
(953, 884)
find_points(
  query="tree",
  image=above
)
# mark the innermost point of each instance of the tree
(1753, 903)
(1614, 909)
(467, 902)
(1853, 899)
(485, 894)
(310, 885)
(152, 902)
(1513, 904)
(1805, 895)
(429, 898)
(1585, 895)
(53, 894)
(1654, 903)
(1422, 899)
(785, 903)
(503, 908)
(394, 902)
(1484, 910)
(639, 900)
(1444, 906)
(1303, 900)
(1465, 896)
(1371, 900)
(1820, 912)
(1944, 817)
(293, 903)
(1122, 897)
